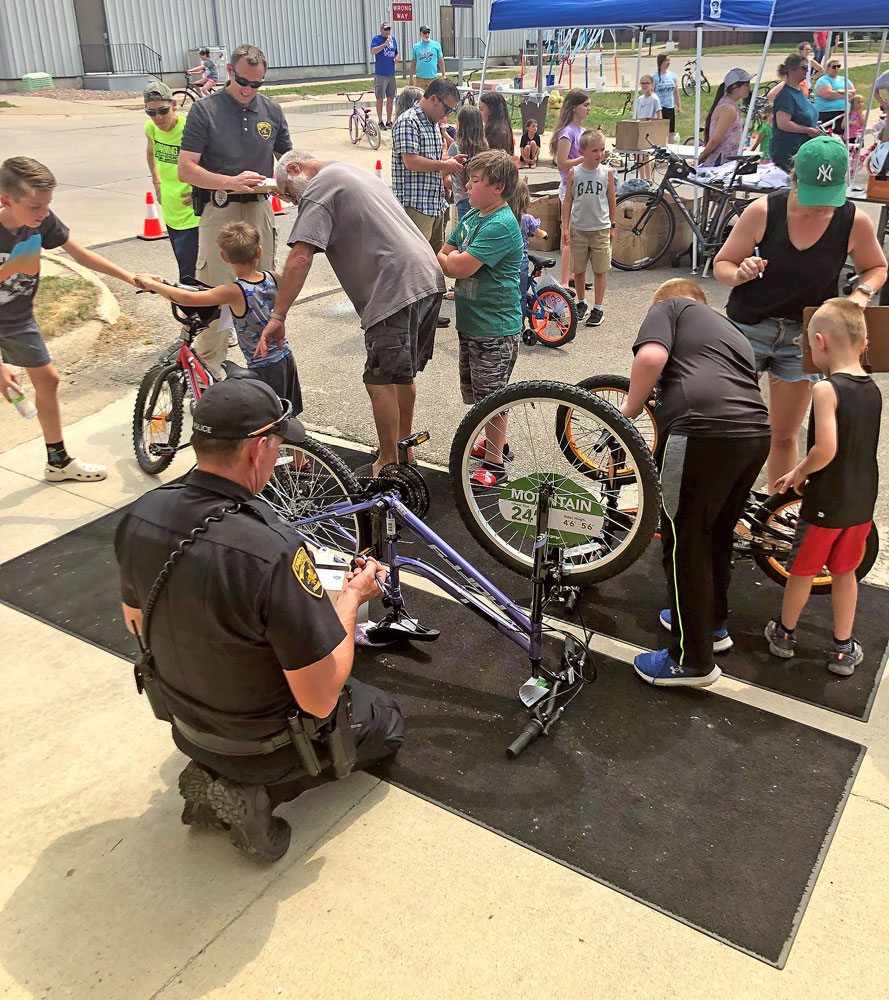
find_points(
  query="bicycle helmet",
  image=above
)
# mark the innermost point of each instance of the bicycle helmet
(635, 185)
(879, 158)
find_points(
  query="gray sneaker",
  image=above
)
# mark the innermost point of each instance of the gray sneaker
(596, 316)
(843, 662)
(581, 308)
(780, 643)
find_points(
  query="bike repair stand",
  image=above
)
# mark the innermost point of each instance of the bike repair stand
(539, 693)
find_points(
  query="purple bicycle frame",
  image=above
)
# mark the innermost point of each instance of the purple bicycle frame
(508, 618)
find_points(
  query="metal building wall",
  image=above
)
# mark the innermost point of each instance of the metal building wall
(38, 36)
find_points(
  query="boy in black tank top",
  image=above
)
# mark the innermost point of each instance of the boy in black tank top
(838, 480)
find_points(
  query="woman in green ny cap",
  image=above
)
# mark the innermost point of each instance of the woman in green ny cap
(785, 253)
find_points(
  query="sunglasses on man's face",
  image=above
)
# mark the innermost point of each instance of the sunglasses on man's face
(834, 66)
(252, 84)
(449, 108)
(151, 112)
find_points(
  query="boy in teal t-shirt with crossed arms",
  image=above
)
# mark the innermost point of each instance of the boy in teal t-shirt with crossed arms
(484, 253)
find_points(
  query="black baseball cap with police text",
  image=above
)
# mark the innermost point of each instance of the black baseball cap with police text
(241, 408)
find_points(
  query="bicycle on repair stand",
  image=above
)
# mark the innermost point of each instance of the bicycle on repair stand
(551, 518)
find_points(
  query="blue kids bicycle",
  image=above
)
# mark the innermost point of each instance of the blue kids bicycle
(549, 310)
(561, 520)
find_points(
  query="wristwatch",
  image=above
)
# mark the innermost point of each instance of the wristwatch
(278, 316)
(865, 287)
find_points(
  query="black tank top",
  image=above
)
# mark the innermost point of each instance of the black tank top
(844, 492)
(794, 278)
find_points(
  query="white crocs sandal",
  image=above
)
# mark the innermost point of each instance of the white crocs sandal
(81, 472)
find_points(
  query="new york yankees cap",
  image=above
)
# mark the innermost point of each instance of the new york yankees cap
(820, 169)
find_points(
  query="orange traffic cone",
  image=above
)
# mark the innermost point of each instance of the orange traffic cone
(277, 207)
(379, 171)
(152, 230)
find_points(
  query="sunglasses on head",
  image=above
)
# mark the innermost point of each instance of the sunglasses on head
(252, 84)
(276, 426)
(151, 112)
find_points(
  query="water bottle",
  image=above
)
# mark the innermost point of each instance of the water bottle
(16, 395)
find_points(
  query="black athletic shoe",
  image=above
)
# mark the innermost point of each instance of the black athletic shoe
(381, 126)
(595, 317)
(443, 321)
(246, 812)
(581, 308)
(587, 286)
(194, 787)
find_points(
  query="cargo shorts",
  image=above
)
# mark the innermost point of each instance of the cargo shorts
(486, 364)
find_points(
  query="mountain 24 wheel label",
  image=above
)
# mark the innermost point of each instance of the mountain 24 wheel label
(574, 517)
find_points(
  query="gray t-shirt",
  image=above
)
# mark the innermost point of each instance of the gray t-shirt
(708, 385)
(20, 270)
(589, 199)
(232, 138)
(379, 256)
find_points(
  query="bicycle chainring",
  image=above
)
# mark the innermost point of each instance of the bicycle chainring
(410, 485)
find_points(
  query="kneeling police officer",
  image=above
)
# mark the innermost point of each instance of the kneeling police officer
(243, 652)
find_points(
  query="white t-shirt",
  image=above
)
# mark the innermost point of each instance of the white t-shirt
(647, 107)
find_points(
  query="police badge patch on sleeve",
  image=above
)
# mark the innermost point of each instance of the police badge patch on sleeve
(304, 571)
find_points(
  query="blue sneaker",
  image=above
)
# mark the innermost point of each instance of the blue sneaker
(661, 670)
(722, 641)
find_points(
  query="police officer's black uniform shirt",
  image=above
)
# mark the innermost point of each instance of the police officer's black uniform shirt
(708, 385)
(242, 605)
(232, 138)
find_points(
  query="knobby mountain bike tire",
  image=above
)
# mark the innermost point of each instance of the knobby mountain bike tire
(183, 99)
(559, 326)
(307, 480)
(162, 425)
(780, 514)
(373, 134)
(635, 251)
(600, 521)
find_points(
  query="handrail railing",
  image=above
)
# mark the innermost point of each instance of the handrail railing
(120, 57)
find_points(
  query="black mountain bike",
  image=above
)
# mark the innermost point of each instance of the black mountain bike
(646, 221)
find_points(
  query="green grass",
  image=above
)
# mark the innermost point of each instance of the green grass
(62, 302)
(6, 104)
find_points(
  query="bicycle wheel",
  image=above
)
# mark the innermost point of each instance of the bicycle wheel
(653, 217)
(305, 481)
(688, 84)
(354, 129)
(705, 84)
(600, 523)
(183, 98)
(614, 390)
(559, 326)
(159, 425)
(779, 514)
(373, 134)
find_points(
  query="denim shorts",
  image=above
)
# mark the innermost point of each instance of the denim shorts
(778, 348)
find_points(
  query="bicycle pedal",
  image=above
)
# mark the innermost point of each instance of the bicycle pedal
(402, 628)
(161, 449)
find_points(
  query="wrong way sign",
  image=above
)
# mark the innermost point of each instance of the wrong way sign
(402, 12)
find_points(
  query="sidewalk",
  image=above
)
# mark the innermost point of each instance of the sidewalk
(381, 893)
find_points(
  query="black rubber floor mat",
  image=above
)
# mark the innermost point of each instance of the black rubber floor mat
(711, 811)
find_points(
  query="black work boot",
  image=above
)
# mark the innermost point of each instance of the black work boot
(246, 812)
(194, 787)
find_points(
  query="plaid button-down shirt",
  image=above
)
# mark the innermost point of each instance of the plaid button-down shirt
(414, 133)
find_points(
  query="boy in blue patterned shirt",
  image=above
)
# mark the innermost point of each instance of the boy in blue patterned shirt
(251, 300)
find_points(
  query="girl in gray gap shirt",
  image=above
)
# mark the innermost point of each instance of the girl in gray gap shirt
(588, 214)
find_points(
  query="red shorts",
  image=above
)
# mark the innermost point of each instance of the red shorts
(839, 549)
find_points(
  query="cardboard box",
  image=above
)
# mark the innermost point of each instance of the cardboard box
(876, 357)
(631, 134)
(548, 209)
(653, 233)
(877, 189)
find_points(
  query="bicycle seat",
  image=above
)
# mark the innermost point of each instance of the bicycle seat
(540, 262)
(233, 370)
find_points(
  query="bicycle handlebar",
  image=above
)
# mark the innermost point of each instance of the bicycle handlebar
(533, 728)
(353, 100)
